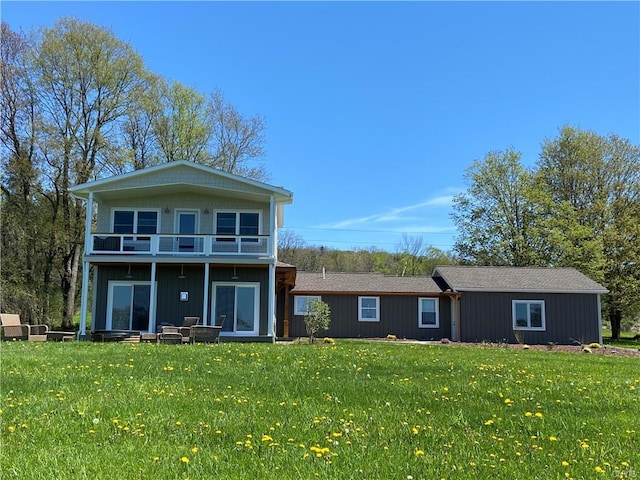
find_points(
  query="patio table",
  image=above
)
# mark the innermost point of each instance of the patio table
(60, 336)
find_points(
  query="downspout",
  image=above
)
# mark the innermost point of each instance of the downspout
(85, 267)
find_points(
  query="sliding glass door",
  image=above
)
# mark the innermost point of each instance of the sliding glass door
(240, 304)
(128, 306)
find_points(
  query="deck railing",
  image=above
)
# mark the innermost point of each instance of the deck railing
(179, 245)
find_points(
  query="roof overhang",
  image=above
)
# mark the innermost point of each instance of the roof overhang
(103, 189)
(529, 290)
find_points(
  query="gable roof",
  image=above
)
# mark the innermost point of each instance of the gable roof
(363, 283)
(517, 279)
(176, 176)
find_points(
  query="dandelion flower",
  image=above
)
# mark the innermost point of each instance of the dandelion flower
(194, 450)
(184, 459)
(599, 469)
(565, 463)
(553, 438)
(419, 453)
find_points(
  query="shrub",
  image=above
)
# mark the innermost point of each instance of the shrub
(317, 318)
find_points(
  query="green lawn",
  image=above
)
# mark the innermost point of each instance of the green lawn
(627, 339)
(366, 410)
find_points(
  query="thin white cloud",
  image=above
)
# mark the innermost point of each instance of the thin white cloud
(395, 215)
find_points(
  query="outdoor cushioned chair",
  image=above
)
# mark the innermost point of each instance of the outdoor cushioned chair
(12, 329)
(169, 333)
(207, 333)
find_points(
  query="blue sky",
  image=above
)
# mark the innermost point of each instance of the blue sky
(375, 109)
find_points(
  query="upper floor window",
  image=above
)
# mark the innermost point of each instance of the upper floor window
(237, 223)
(428, 316)
(368, 309)
(528, 314)
(135, 221)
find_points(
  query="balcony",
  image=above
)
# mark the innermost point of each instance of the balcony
(179, 245)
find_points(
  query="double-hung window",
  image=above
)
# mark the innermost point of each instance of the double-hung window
(368, 309)
(528, 315)
(301, 303)
(428, 315)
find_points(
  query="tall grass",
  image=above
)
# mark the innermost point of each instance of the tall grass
(349, 410)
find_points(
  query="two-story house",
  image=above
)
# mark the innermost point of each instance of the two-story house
(181, 239)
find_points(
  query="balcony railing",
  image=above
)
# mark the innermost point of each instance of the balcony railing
(178, 245)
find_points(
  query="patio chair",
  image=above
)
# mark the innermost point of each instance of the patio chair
(13, 329)
(171, 334)
(207, 333)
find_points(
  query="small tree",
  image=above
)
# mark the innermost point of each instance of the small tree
(317, 318)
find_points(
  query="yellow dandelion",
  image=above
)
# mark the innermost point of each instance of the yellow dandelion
(156, 459)
(539, 414)
(599, 469)
(565, 463)
(528, 414)
(553, 438)
(184, 459)
(194, 450)
(11, 428)
(419, 453)
(489, 422)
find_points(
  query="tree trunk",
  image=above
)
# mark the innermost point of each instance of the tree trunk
(69, 284)
(615, 317)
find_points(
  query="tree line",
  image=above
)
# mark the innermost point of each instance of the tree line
(412, 257)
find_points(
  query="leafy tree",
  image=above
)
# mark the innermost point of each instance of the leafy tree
(496, 217)
(181, 124)
(596, 181)
(85, 79)
(579, 207)
(235, 140)
(27, 262)
(317, 318)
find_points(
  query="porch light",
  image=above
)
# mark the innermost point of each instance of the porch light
(206, 210)
(182, 276)
(128, 276)
(235, 274)
(166, 210)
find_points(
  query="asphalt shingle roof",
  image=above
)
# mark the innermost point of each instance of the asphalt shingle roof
(365, 283)
(517, 279)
